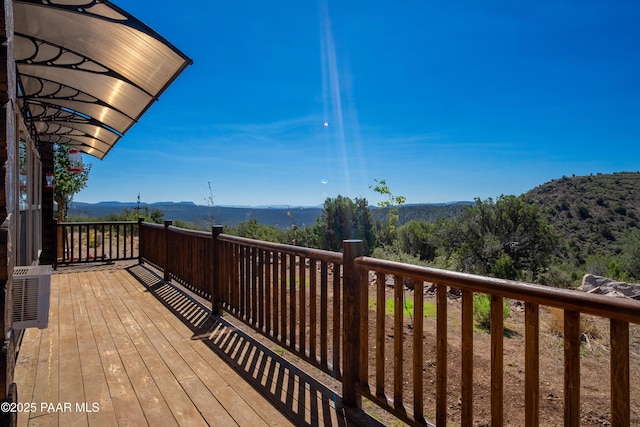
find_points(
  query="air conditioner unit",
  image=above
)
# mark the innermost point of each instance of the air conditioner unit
(31, 289)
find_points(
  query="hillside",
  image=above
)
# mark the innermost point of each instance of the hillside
(424, 212)
(593, 214)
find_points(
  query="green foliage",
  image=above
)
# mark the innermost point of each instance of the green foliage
(504, 268)
(253, 230)
(629, 260)
(429, 309)
(482, 310)
(560, 276)
(506, 238)
(392, 202)
(155, 216)
(209, 202)
(307, 237)
(418, 238)
(392, 253)
(342, 219)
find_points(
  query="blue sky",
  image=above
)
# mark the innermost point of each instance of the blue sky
(444, 100)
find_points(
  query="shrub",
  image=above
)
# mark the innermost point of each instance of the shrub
(482, 310)
(588, 327)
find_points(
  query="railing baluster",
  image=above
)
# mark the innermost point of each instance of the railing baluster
(266, 274)
(418, 362)
(132, 238)
(302, 294)
(620, 389)
(249, 285)
(69, 242)
(571, 368)
(254, 286)
(467, 358)
(441, 355)
(124, 241)
(312, 309)
(363, 377)
(244, 295)
(337, 320)
(323, 314)
(380, 333)
(276, 300)
(118, 241)
(398, 346)
(292, 300)
(260, 270)
(102, 240)
(87, 240)
(235, 283)
(532, 365)
(497, 361)
(283, 296)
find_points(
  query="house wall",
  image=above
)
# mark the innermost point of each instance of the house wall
(9, 191)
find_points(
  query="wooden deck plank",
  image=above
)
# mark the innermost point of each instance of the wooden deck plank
(111, 341)
(122, 397)
(45, 386)
(28, 357)
(97, 403)
(145, 337)
(153, 405)
(287, 388)
(72, 387)
(256, 412)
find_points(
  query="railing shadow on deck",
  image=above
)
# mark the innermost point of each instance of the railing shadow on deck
(304, 400)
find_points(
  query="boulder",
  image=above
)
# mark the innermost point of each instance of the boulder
(604, 286)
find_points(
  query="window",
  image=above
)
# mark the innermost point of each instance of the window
(30, 202)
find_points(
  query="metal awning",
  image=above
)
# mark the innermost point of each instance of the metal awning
(87, 70)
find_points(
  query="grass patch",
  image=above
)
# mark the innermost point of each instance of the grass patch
(429, 308)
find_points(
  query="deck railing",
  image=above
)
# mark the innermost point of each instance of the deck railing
(84, 242)
(372, 383)
(325, 306)
(290, 294)
(185, 256)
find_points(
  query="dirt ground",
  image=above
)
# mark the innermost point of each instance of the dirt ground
(595, 376)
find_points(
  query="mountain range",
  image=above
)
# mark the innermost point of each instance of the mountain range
(594, 215)
(281, 217)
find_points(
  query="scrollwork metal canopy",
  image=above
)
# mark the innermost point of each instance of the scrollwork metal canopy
(87, 70)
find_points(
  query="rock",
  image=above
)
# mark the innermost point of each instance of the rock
(409, 283)
(603, 286)
(455, 292)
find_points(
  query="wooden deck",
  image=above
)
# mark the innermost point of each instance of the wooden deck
(124, 348)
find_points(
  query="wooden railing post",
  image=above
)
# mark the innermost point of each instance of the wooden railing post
(140, 243)
(216, 291)
(56, 239)
(166, 249)
(352, 249)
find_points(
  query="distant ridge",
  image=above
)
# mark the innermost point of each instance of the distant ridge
(278, 216)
